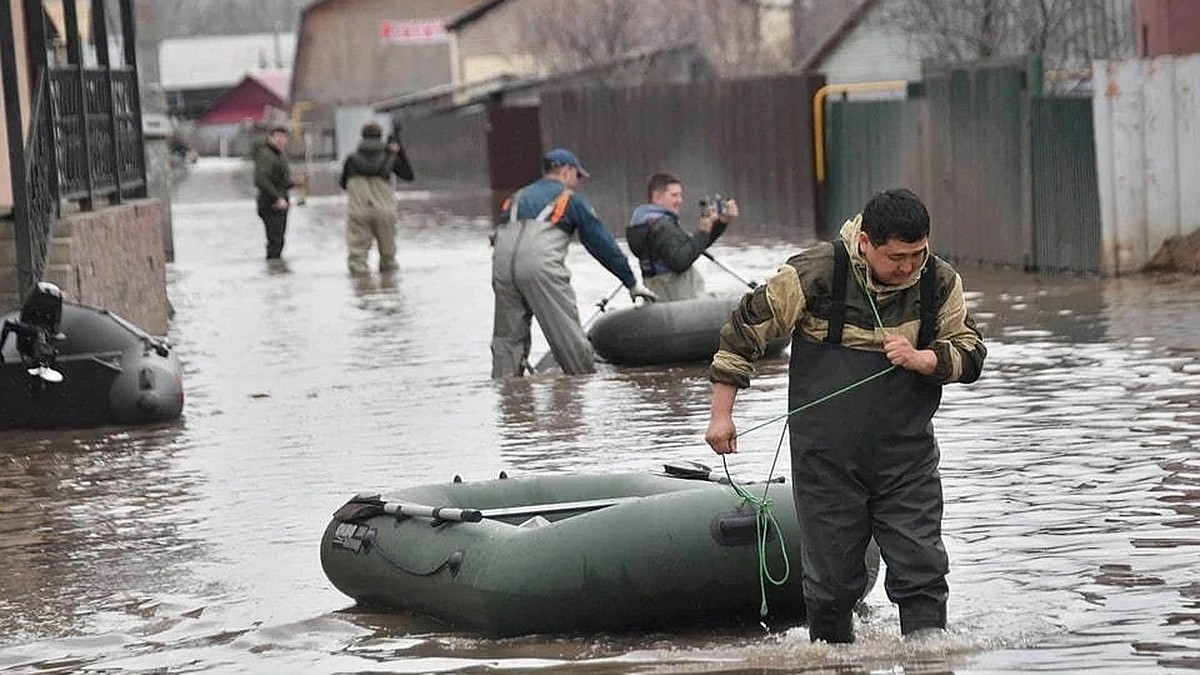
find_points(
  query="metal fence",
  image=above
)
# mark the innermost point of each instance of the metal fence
(749, 139)
(99, 138)
(1066, 197)
(84, 141)
(873, 145)
(41, 193)
(1009, 176)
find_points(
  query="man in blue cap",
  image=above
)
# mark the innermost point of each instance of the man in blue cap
(529, 273)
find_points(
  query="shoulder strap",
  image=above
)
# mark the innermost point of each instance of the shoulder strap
(560, 206)
(837, 293)
(516, 202)
(554, 210)
(929, 310)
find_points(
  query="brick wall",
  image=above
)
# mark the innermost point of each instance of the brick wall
(113, 258)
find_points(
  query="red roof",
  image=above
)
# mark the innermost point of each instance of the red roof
(250, 99)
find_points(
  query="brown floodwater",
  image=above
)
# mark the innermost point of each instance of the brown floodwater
(1071, 469)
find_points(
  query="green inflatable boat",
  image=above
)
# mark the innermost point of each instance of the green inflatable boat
(571, 553)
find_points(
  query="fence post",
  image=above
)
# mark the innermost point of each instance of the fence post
(100, 38)
(129, 41)
(75, 58)
(16, 150)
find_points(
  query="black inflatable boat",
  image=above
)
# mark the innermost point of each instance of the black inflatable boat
(71, 366)
(665, 332)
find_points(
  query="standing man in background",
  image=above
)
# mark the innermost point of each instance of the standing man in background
(529, 272)
(665, 251)
(273, 179)
(371, 210)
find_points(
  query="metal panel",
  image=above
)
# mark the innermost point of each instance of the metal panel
(449, 151)
(873, 145)
(1066, 201)
(1148, 154)
(977, 164)
(743, 138)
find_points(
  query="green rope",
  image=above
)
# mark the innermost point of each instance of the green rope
(763, 516)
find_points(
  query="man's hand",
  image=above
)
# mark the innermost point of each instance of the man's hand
(722, 434)
(729, 212)
(901, 353)
(639, 291)
(281, 204)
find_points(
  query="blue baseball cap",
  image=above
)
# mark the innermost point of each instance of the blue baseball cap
(563, 157)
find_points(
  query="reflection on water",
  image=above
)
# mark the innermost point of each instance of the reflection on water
(1070, 468)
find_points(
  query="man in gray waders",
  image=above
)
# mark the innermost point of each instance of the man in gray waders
(873, 308)
(529, 272)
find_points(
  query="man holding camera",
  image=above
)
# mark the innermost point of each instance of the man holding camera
(665, 251)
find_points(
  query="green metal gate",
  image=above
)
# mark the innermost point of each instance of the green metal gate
(1066, 197)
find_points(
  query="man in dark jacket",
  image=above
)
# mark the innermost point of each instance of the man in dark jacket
(529, 272)
(371, 211)
(273, 178)
(875, 309)
(665, 251)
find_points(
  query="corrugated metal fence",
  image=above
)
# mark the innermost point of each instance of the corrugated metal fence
(1009, 178)
(1066, 200)
(747, 139)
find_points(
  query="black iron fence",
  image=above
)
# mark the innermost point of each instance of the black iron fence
(99, 138)
(84, 142)
(41, 193)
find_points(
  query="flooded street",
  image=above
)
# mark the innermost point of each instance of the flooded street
(1071, 469)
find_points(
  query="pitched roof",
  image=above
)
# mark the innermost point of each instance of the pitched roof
(472, 13)
(847, 26)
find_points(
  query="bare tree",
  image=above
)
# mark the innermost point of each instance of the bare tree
(575, 34)
(1069, 33)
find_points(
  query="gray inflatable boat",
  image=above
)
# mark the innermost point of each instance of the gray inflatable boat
(685, 331)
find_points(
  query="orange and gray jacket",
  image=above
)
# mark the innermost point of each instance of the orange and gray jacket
(799, 300)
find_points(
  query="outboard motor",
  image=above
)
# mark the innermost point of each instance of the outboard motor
(37, 331)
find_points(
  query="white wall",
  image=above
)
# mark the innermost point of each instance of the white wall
(347, 125)
(871, 52)
(1147, 120)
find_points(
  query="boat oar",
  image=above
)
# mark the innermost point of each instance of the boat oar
(433, 512)
(735, 275)
(547, 359)
(690, 470)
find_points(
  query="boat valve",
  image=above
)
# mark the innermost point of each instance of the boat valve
(455, 561)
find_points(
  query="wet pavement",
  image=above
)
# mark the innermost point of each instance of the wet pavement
(1071, 469)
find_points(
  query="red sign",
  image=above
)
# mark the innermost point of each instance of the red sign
(414, 31)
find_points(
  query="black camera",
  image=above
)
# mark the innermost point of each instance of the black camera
(714, 203)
